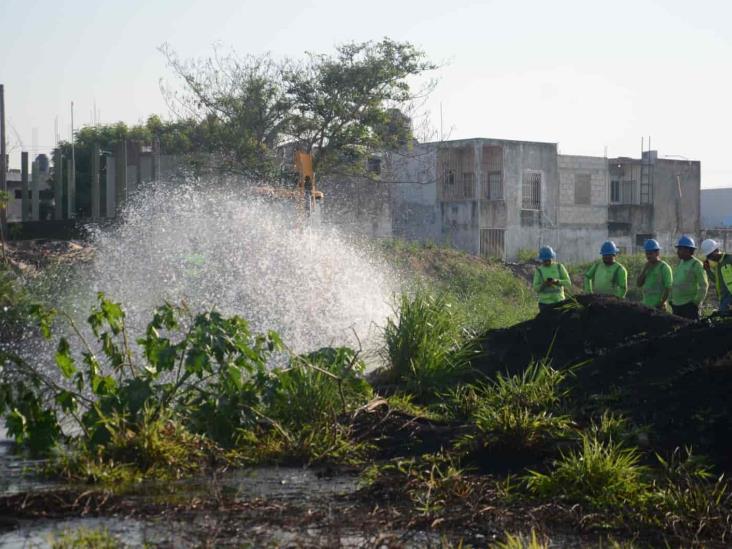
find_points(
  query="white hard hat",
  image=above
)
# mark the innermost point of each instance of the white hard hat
(708, 246)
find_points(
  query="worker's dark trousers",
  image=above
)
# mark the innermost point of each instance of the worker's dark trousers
(687, 310)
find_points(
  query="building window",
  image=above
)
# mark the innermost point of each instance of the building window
(531, 191)
(373, 165)
(493, 186)
(582, 189)
(491, 170)
(614, 192)
(450, 177)
(492, 243)
(628, 193)
(19, 194)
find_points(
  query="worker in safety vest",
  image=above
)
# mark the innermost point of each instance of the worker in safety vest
(607, 277)
(719, 265)
(690, 282)
(550, 279)
(656, 278)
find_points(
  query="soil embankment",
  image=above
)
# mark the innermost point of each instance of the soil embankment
(662, 371)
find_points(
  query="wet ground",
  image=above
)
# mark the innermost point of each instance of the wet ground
(266, 506)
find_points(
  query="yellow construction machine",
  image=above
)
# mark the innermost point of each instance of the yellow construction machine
(304, 192)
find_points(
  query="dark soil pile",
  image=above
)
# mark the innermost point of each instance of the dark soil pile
(670, 374)
(572, 332)
(680, 384)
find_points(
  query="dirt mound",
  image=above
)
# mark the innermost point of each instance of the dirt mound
(668, 373)
(571, 332)
(679, 384)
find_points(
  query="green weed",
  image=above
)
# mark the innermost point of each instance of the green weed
(520, 411)
(432, 481)
(425, 348)
(520, 541)
(689, 499)
(602, 475)
(484, 294)
(85, 538)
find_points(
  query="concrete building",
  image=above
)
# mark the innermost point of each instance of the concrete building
(39, 206)
(716, 208)
(493, 197)
(499, 198)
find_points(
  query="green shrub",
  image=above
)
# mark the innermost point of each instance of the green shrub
(201, 389)
(520, 411)
(425, 347)
(519, 428)
(690, 499)
(318, 386)
(600, 475)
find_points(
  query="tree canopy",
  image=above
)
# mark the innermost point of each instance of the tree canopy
(338, 107)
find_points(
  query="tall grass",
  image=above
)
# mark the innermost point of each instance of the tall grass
(484, 294)
(602, 475)
(425, 347)
(521, 411)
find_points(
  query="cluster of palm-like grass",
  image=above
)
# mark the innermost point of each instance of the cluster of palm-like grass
(517, 413)
(425, 348)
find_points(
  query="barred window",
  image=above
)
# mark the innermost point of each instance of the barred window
(615, 192)
(492, 243)
(493, 186)
(531, 191)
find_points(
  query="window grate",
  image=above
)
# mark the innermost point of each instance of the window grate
(492, 243)
(531, 191)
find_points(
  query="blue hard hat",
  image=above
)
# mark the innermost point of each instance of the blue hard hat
(546, 252)
(651, 245)
(609, 248)
(686, 242)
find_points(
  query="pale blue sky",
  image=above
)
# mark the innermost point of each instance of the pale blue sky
(585, 74)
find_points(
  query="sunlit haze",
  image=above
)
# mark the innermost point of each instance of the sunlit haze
(594, 77)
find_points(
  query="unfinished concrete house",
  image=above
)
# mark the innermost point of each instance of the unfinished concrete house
(502, 198)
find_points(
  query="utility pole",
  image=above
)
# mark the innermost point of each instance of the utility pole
(58, 184)
(72, 171)
(95, 181)
(120, 173)
(24, 203)
(3, 170)
(35, 190)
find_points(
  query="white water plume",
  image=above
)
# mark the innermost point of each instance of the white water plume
(215, 248)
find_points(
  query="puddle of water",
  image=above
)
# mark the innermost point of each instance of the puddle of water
(42, 533)
(17, 472)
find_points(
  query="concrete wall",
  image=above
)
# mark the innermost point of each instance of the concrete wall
(520, 158)
(716, 208)
(571, 213)
(357, 205)
(582, 227)
(415, 210)
(673, 213)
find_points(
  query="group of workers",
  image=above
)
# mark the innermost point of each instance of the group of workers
(683, 287)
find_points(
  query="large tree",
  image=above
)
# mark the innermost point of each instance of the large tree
(338, 107)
